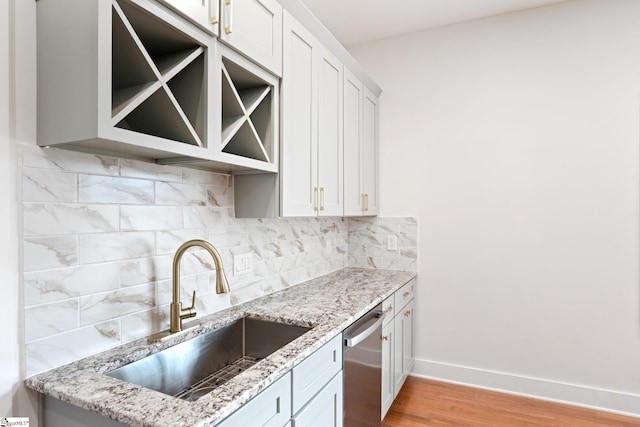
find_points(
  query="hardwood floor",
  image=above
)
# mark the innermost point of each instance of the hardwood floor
(423, 402)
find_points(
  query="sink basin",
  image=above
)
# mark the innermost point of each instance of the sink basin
(193, 368)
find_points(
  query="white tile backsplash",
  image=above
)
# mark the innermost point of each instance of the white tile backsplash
(66, 347)
(136, 218)
(93, 248)
(41, 253)
(196, 176)
(171, 193)
(107, 189)
(109, 305)
(49, 319)
(70, 161)
(41, 219)
(100, 235)
(151, 171)
(71, 282)
(367, 246)
(44, 185)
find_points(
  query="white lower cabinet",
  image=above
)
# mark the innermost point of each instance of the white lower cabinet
(403, 346)
(271, 408)
(317, 387)
(309, 395)
(388, 395)
(325, 409)
(315, 372)
(397, 343)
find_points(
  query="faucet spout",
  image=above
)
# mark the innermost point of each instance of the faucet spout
(222, 286)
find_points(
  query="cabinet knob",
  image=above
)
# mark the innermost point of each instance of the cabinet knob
(407, 313)
(385, 337)
(389, 309)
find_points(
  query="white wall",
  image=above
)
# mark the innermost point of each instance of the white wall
(9, 302)
(515, 142)
(17, 127)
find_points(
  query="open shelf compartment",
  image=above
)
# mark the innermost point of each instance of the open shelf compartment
(247, 113)
(158, 77)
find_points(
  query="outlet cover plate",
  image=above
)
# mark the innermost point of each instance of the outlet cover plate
(392, 242)
(242, 264)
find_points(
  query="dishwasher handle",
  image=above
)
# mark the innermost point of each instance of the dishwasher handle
(352, 341)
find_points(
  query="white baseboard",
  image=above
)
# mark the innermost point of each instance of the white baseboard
(588, 397)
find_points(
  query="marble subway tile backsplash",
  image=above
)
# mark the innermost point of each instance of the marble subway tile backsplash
(368, 243)
(99, 238)
(100, 234)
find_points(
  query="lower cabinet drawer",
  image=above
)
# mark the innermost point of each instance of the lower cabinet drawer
(388, 308)
(271, 408)
(404, 295)
(310, 376)
(325, 409)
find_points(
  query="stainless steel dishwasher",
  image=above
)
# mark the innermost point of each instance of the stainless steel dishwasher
(363, 370)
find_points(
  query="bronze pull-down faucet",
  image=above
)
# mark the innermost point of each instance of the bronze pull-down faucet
(177, 312)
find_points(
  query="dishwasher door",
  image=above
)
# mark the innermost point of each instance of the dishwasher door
(363, 370)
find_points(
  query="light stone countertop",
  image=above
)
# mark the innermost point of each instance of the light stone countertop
(328, 304)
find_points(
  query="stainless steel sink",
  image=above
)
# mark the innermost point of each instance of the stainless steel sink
(195, 367)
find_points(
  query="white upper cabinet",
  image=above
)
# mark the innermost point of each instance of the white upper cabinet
(311, 172)
(353, 99)
(124, 77)
(370, 153)
(299, 165)
(205, 13)
(360, 148)
(254, 27)
(330, 145)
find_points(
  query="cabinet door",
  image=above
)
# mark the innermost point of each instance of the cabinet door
(408, 354)
(353, 97)
(388, 335)
(299, 151)
(254, 27)
(370, 153)
(204, 13)
(325, 410)
(271, 408)
(403, 346)
(330, 135)
(310, 376)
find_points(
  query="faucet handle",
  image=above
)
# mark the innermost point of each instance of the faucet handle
(186, 313)
(193, 301)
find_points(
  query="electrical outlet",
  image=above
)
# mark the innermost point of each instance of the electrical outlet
(392, 242)
(242, 264)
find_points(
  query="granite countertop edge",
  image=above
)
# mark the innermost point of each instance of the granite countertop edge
(328, 304)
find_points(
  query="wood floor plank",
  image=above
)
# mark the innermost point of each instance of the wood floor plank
(423, 402)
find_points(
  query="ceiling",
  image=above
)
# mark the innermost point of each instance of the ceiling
(355, 22)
